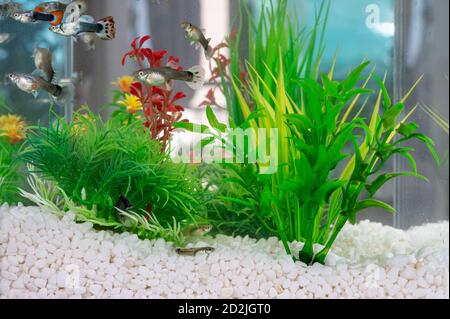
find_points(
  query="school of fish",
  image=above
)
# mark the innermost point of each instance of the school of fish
(69, 19)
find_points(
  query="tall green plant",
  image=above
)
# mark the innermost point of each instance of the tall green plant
(331, 163)
(275, 32)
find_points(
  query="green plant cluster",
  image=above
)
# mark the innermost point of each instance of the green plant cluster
(331, 156)
(111, 169)
(332, 160)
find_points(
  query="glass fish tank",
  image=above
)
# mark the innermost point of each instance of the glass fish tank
(226, 149)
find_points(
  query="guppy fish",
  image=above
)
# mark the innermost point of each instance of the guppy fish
(9, 8)
(193, 251)
(53, 18)
(43, 62)
(32, 84)
(194, 77)
(105, 28)
(196, 36)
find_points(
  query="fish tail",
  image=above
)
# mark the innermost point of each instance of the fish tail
(57, 17)
(108, 28)
(54, 90)
(198, 77)
(42, 16)
(61, 94)
(208, 49)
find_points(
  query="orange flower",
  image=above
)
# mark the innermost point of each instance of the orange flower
(132, 103)
(13, 127)
(124, 83)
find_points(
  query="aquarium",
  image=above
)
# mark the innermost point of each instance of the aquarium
(224, 149)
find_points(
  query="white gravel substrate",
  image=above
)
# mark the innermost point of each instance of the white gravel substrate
(43, 256)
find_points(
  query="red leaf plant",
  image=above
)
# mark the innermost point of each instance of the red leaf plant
(161, 106)
(219, 66)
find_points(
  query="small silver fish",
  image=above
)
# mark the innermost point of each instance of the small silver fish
(43, 62)
(193, 251)
(32, 84)
(194, 77)
(104, 28)
(197, 38)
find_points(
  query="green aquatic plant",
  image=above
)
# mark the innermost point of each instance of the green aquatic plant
(9, 173)
(112, 175)
(275, 34)
(331, 159)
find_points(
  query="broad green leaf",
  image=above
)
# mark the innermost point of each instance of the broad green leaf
(381, 180)
(354, 77)
(213, 121)
(373, 203)
(407, 129)
(207, 141)
(191, 127)
(390, 116)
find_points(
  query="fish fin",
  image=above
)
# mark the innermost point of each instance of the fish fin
(87, 45)
(65, 95)
(39, 73)
(198, 77)
(35, 94)
(209, 53)
(58, 17)
(74, 11)
(209, 50)
(168, 86)
(197, 46)
(87, 19)
(108, 31)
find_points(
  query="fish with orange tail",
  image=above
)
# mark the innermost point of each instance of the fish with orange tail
(55, 8)
(104, 29)
(32, 16)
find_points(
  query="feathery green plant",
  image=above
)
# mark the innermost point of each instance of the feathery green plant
(98, 165)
